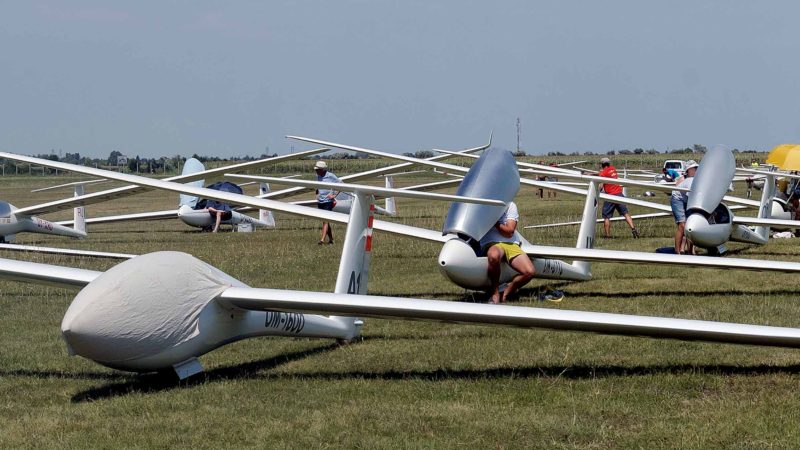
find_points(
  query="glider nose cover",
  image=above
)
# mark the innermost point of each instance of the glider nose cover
(143, 307)
(493, 176)
(712, 180)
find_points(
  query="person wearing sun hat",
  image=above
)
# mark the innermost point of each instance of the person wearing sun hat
(326, 198)
(678, 202)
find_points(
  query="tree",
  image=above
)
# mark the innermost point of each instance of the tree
(698, 148)
(112, 158)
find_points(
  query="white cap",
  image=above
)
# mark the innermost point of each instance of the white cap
(605, 161)
(320, 165)
(691, 164)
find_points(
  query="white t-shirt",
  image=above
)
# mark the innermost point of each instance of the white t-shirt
(511, 213)
(685, 183)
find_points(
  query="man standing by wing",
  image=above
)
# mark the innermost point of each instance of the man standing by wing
(326, 198)
(609, 171)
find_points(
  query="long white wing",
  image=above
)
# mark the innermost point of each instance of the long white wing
(155, 215)
(459, 169)
(387, 192)
(63, 251)
(45, 273)
(515, 316)
(619, 256)
(102, 196)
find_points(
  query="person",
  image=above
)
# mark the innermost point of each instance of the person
(502, 243)
(541, 178)
(678, 201)
(326, 198)
(670, 174)
(609, 171)
(219, 211)
(754, 163)
(552, 179)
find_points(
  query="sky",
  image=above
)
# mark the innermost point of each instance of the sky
(223, 78)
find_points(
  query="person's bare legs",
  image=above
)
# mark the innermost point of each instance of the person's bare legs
(218, 215)
(326, 231)
(330, 233)
(607, 227)
(524, 266)
(495, 256)
(629, 220)
(679, 237)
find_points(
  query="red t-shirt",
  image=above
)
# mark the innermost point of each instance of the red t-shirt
(610, 172)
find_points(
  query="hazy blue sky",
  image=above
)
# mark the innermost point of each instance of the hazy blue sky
(224, 78)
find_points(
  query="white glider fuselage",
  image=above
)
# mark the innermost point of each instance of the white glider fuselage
(11, 224)
(152, 334)
(201, 218)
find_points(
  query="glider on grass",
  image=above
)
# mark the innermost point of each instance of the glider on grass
(162, 311)
(710, 223)
(494, 176)
(15, 220)
(193, 174)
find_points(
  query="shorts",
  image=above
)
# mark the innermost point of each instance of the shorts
(678, 209)
(510, 249)
(226, 215)
(327, 206)
(609, 207)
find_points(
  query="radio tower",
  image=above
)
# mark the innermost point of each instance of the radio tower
(519, 130)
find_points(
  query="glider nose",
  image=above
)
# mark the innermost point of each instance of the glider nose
(458, 262)
(705, 234)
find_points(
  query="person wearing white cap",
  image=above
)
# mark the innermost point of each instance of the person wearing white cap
(326, 198)
(678, 202)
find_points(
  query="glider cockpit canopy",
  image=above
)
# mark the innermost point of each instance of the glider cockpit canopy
(224, 186)
(494, 176)
(5, 210)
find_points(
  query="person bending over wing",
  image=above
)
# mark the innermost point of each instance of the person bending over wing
(502, 243)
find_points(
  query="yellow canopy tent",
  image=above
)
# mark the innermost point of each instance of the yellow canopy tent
(785, 156)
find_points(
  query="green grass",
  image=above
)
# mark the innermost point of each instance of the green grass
(408, 384)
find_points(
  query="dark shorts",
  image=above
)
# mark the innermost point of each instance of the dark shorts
(327, 206)
(610, 207)
(226, 215)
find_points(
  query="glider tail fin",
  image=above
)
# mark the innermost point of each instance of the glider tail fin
(191, 166)
(765, 208)
(265, 215)
(354, 265)
(79, 214)
(587, 229)
(391, 202)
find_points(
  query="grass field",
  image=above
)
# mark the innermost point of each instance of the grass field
(408, 384)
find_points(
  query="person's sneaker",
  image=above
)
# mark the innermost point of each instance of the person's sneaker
(635, 233)
(554, 296)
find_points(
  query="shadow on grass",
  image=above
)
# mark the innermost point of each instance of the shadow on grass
(162, 381)
(23, 373)
(152, 383)
(695, 294)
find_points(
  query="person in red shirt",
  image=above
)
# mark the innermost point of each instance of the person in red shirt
(609, 171)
